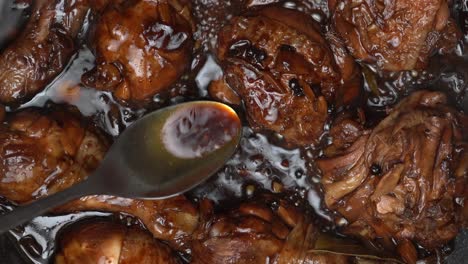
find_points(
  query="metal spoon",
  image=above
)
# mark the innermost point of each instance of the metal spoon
(163, 154)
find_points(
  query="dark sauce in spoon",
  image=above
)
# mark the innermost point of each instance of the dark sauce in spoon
(261, 164)
(194, 132)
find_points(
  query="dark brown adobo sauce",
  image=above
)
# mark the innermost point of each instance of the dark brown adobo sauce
(261, 164)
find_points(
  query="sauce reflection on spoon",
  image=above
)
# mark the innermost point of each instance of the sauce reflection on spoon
(176, 148)
(196, 131)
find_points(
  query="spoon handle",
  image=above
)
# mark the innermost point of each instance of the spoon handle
(23, 214)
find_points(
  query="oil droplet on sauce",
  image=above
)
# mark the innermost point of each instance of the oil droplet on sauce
(195, 131)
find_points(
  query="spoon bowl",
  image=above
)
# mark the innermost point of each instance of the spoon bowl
(171, 151)
(163, 154)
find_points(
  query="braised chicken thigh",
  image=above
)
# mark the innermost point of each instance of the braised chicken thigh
(285, 72)
(142, 47)
(395, 35)
(42, 50)
(256, 233)
(403, 181)
(44, 152)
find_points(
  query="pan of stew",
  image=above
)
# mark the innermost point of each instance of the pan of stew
(355, 128)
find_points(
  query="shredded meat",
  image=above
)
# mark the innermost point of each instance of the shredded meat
(89, 243)
(284, 70)
(142, 47)
(345, 129)
(402, 181)
(395, 35)
(42, 153)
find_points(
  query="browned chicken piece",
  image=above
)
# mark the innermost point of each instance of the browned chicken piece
(142, 47)
(255, 233)
(42, 153)
(171, 220)
(404, 181)
(42, 50)
(285, 72)
(111, 243)
(395, 35)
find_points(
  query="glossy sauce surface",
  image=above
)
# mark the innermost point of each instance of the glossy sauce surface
(199, 130)
(262, 162)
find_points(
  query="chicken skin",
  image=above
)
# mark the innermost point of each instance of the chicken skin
(264, 230)
(256, 233)
(141, 47)
(395, 35)
(171, 220)
(90, 243)
(42, 50)
(43, 153)
(286, 72)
